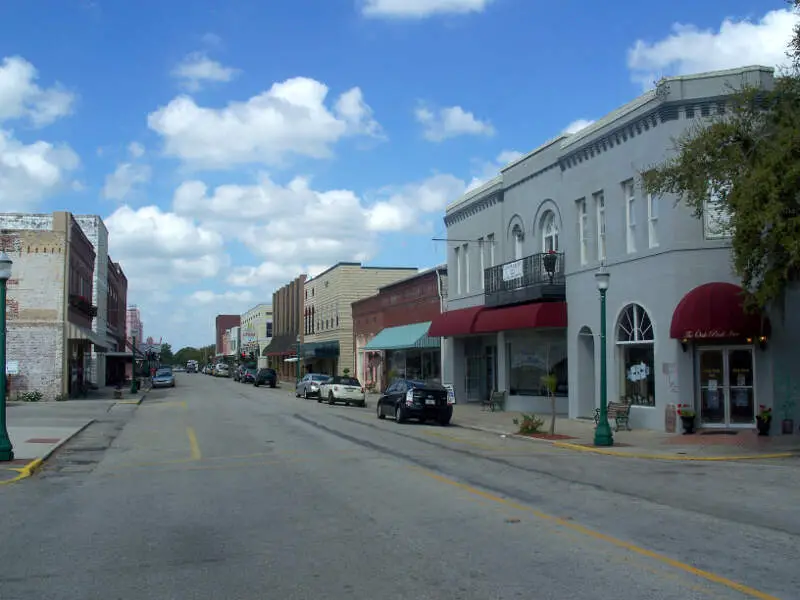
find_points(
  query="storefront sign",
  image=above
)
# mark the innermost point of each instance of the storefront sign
(512, 270)
(12, 367)
(711, 334)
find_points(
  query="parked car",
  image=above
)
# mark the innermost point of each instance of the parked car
(308, 386)
(266, 377)
(248, 375)
(413, 399)
(237, 373)
(163, 378)
(342, 388)
(221, 370)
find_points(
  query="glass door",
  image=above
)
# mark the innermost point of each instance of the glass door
(474, 377)
(712, 386)
(727, 386)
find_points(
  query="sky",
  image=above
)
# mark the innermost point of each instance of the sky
(232, 145)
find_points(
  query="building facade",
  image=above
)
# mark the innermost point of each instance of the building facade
(49, 305)
(327, 345)
(538, 233)
(257, 330)
(223, 323)
(118, 354)
(134, 328)
(287, 311)
(390, 330)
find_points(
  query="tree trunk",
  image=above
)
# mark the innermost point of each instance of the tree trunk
(553, 414)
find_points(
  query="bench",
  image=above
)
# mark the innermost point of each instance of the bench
(495, 401)
(619, 412)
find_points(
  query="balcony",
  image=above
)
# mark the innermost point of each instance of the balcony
(531, 278)
(83, 305)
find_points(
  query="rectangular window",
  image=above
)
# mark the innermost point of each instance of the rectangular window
(600, 207)
(716, 219)
(532, 360)
(629, 193)
(583, 230)
(652, 220)
(482, 248)
(465, 251)
(457, 252)
(490, 242)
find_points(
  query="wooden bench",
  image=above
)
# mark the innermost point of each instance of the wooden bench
(495, 401)
(619, 412)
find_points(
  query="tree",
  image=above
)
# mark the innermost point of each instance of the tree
(747, 161)
(166, 357)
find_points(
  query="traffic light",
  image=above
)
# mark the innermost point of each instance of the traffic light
(252, 356)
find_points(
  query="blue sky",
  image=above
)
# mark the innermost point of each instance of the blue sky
(232, 145)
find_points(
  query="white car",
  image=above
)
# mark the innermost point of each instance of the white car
(221, 370)
(342, 388)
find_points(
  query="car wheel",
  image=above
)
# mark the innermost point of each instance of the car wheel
(400, 414)
(305, 393)
(379, 410)
(272, 385)
(331, 399)
(444, 420)
(347, 404)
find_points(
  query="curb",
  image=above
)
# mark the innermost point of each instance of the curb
(33, 466)
(642, 456)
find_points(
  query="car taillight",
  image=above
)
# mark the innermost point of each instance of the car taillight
(362, 390)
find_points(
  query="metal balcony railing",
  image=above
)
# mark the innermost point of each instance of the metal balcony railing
(536, 277)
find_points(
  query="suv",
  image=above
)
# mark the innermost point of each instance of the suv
(266, 377)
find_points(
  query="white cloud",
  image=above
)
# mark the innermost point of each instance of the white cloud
(483, 171)
(577, 125)
(450, 122)
(197, 69)
(22, 98)
(136, 149)
(737, 43)
(291, 118)
(29, 173)
(419, 9)
(226, 298)
(160, 249)
(124, 179)
(403, 208)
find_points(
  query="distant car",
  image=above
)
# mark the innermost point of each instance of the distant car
(248, 375)
(342, 388)
(413, 399)
(266, 377)
(163, 378)
(221, 370)
(308, 386)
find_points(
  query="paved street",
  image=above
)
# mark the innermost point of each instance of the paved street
(222, 490)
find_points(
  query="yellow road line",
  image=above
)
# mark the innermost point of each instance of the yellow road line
(196, 454)
(676, 564)
(606, 452)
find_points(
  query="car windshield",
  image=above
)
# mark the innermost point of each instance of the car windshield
(346, 381)
(320, 377)
(418, 383)
(163, 373)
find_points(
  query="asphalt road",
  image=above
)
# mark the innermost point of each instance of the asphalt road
(221, 490)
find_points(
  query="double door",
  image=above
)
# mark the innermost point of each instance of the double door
(727, 386)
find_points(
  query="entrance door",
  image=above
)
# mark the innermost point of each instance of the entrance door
(474, 378)
(727, 390)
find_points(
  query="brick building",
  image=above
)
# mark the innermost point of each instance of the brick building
(390, 329)
(222, 324)
(49, 305)
(287, 325)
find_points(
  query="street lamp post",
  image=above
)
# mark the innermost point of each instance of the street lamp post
(602, 434)
(298, 356)
(6, 448)
(133, 364)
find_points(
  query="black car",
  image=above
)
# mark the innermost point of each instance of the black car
(248, 375)
(266, 377)
(413, 399)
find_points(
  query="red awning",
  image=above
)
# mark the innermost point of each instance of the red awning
(522, 316)
(715, 311)
(454, 322)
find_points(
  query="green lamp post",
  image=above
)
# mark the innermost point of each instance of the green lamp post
(133, 364)
(602, 434)
(298, 356)
(6, 448)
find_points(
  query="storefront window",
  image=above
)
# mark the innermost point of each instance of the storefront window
(635, 342)
(534, 356)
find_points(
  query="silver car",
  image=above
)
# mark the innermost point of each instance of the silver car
(308, 386)
(163, 378)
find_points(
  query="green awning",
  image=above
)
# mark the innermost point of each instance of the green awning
(403, 337)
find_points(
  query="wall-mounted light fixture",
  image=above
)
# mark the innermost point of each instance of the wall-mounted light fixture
(762, 342)
(684, 344)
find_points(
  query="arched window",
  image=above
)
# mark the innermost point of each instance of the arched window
(549, 232)
(518, 236)
(636, 350)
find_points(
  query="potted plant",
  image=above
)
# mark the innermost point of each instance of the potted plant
(688, 417)
(549, 260)
(763, 419)
(787, 424)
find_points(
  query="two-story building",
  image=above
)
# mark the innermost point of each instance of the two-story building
(390, 330)
(256, 331)
(524, 249)
(287, 329)
(327, 345)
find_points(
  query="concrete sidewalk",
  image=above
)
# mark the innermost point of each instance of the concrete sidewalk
(38, 429)
(578, 435)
